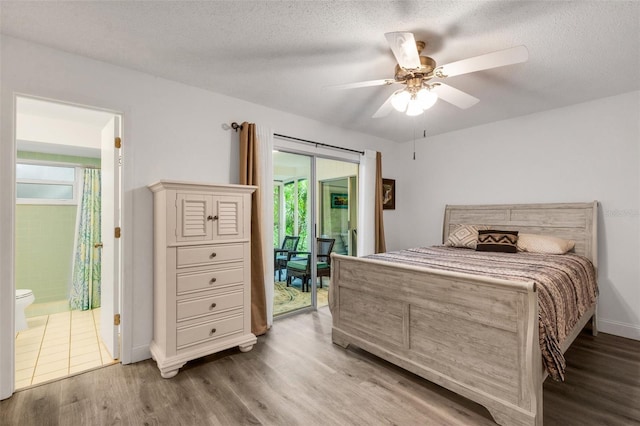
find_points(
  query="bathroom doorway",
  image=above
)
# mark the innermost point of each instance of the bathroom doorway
(67, 247)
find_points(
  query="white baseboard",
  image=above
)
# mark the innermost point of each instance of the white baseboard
(630, 331)
(140, 353)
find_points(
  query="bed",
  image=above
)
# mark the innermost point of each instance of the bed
(475, 335)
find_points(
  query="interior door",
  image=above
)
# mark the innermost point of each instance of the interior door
(110, 220)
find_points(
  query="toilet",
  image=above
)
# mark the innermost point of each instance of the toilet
(24, 297)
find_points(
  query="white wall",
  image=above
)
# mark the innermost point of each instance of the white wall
(56, 131)
(329, 169)
(584, 152)
(171, 131)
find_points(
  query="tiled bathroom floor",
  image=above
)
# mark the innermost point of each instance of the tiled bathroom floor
(58, 345)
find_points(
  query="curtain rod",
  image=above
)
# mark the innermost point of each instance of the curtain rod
(235, 126)
(317, 144)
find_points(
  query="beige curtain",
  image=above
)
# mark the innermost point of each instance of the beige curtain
(379, 223)
(249, 175)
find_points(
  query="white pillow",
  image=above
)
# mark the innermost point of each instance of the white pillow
(546, 244)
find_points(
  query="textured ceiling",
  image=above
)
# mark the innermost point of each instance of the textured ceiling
(283, 54)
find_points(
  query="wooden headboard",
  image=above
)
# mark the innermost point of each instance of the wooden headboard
(571, 221)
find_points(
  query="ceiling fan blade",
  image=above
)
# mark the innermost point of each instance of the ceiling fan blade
(454, 96)
(385, 108)
(403, 46)
(500, 58)
(369, 83)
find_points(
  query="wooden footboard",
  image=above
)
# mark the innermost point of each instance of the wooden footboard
(475, 336)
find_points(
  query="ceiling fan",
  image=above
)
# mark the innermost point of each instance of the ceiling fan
(416, 72)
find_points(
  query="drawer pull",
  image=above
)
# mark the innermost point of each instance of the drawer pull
(213, 305)
(213, 280)
(212, 217)
(212, 255)
(213, 330)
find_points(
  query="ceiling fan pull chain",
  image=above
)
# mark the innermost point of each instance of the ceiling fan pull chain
(414, 140)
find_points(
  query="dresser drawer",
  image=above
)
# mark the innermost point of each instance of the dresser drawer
(210, 330)
(209, 279)
(210, 254)
(208, 305)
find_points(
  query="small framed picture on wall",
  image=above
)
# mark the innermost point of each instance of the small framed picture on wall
(339, 201)
(388, 194)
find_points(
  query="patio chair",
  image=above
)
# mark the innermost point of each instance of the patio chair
(301, 268)
(281, 255)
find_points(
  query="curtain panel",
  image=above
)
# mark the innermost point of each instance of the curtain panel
(380, 246)
(265, 150)
(366, 203)
(86, 274)
(250, 175)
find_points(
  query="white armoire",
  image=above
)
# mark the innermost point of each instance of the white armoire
(202, 271)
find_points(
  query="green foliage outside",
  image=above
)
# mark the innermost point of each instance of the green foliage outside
(290, 202)
(276, 216)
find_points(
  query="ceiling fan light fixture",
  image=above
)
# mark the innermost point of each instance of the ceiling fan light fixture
(426, 98)
(415, 72)
(400, 100)
(414, 108)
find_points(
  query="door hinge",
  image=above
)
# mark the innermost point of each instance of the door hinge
(117, 232)
(116, 319)
(118, 142)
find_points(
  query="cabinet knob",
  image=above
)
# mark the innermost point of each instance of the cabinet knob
(213, 305)
(212, 217)
(213, 255)
(213, 330)
(213, 280)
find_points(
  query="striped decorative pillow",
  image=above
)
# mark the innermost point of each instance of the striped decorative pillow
(464, 236)
(500, 241)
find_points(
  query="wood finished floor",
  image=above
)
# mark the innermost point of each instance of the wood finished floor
(296, 376)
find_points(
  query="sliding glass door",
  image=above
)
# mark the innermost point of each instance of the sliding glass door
(292, 231)
(315, 214)
(337, 203)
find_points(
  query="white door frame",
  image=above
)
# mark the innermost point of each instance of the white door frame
(111, 245)
(7, 246)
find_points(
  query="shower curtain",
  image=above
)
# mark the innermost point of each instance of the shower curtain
(85, 286)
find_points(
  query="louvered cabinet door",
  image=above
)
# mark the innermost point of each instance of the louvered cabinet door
(227, 223)
(194, 214)
(208, 217)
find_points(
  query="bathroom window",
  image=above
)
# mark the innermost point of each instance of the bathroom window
(45, 184)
